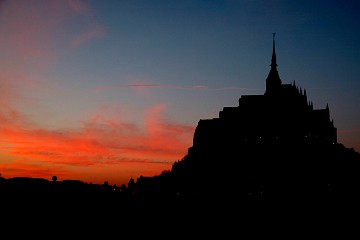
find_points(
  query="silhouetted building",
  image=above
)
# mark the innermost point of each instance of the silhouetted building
(270, 146)
(282, 113)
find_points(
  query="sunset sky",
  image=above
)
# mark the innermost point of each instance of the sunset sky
(110, 90)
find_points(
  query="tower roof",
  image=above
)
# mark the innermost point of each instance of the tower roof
(273, 80)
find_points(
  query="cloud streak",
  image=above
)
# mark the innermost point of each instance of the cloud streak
(166, 86)
(95, 32)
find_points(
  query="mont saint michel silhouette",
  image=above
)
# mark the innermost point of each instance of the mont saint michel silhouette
(271, 148)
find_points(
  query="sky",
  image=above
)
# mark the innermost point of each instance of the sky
(112, 90)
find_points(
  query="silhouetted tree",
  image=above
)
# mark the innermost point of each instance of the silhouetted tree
(54, 178)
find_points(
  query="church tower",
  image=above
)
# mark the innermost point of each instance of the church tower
(273, 81)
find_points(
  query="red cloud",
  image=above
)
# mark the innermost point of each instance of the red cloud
(102, 143)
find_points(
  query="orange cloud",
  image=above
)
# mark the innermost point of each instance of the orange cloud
(101, 143)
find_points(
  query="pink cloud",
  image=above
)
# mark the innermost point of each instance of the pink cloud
(166, 86)
(26, 33)
(95, 32)
(78, 6)
(32, 30)
(149, 85)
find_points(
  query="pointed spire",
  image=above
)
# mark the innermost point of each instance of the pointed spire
(273, 58)
(273, 81)
(327, 110)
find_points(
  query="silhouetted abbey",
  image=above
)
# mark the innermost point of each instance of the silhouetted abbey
(273, 147)
(282, 114)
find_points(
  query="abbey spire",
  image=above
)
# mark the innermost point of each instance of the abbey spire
(273, 80)
(273, 57)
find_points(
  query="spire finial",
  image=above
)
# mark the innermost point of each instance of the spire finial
(273, 59)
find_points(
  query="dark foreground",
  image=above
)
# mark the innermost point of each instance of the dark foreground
(86, 215)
